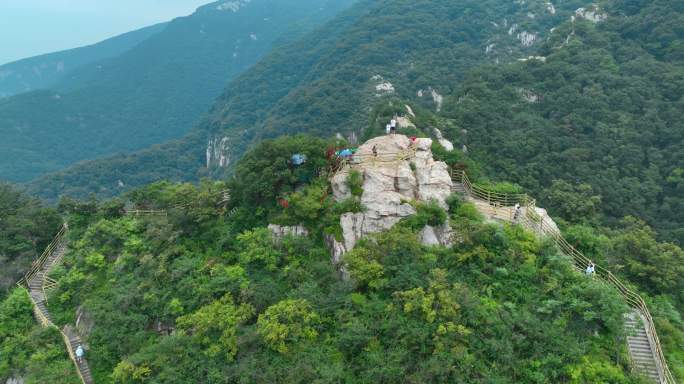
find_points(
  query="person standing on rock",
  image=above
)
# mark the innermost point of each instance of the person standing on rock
(516, 213)
(80, 352)
(375, 151)
(393, 124)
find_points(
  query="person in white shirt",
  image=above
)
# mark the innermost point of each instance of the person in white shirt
(516, 212)
(591, 269)
(393, 125)
(79, 353)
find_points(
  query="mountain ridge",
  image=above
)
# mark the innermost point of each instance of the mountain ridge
(581, 79)
(255, 105)
(45, 70)
(153, 92)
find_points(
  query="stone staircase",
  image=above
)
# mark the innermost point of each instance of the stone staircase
(639, 344)
(35, 285)
(74, 342)
(43, 309)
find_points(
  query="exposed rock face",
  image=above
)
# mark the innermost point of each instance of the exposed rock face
(532, 58)
(448, 145)
(592, 13)
(527, 38)
(436, 97)
(528, 95)
(163, 328)
(551, 8)
(337, 250)
(512, 29)
(279, 231)
(404, 122)
(232, 6)
(84, 322)
(441, 235)
(403, 171)
(382, 87)
(217, 152)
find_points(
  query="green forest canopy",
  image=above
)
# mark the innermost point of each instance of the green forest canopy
(246, 308)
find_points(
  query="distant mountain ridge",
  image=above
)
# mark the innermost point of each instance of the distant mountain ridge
(151, 93)
(44, 71)
(327, 82)
(568, 99)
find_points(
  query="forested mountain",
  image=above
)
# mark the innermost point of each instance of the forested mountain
(207, 294)
(598, 116)
(151, 93)
(569, 99)
(44, 71)
(577, 103)
(328, 81)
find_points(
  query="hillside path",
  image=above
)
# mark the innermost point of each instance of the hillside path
(36, 281)
(642, 340)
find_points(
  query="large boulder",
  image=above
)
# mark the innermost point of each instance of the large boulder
(442, 235)
(403, 171)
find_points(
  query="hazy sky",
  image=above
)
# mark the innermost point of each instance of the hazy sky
(32, 27)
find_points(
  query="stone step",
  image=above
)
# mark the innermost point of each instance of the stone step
(43, 309)
(644, 352)
(639, 345)
(638, 334)
(643, 360)
(640, 348)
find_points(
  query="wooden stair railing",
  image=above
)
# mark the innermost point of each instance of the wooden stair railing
(531, 219)
(39, 264)
(39, 270)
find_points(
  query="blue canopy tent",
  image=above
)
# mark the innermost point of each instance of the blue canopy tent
(298, 159)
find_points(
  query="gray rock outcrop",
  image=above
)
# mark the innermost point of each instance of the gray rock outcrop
(442, 235)
(279, 231)
(446, 144)
(84, 322)
(403, 171)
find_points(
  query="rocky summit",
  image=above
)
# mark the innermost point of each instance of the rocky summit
(402, 171)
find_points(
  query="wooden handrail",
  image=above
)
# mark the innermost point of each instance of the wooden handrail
(533, 221)
(72, 355)
(40, 262)
(39, 265)
(46, 323)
